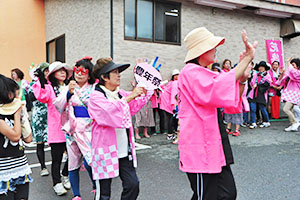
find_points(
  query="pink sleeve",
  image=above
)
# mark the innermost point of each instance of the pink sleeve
(42, 94)
(281, 82)
(212, 89)
(109, 113)
(60, 101)
(273, 80)
(139, 102)
(174, 92)
(268, 79)
(294, 74)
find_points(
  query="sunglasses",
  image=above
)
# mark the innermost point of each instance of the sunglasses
(83, 70)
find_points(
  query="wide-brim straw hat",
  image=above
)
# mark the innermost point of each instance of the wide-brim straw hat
(199, 41)
(10, 108)
(57, 65)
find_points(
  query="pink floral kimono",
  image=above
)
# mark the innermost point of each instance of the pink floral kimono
(79, 127)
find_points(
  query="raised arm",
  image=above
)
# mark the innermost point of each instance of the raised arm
(246, 57)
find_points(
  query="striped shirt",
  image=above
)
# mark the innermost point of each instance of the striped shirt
(12, 168)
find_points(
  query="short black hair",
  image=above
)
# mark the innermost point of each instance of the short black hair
(276, 61)
(216, 66)
(193, 61)
(296, 61)
(87, 64)
(19, 73)
(8, 87)
(172, 79)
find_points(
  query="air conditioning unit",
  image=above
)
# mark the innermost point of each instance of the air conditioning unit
(290, 28)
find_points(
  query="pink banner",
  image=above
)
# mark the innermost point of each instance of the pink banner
(274, 52)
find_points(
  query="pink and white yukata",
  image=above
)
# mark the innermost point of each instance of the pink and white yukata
(79, 133)
(291, 92)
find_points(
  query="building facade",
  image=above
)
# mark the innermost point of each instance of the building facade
(22, 36)
(131, 29)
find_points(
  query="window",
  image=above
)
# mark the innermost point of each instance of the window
(55, 49)
(152, 20)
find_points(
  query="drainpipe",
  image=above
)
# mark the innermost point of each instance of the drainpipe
(111, 30)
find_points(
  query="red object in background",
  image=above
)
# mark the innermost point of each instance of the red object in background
(275, 107)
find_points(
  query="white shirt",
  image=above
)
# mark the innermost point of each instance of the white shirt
(121, 134)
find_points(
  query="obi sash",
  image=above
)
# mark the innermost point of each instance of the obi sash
(81, 112)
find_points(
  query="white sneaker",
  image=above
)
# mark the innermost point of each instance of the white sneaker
(265, 124)
(59, 189)
(66, 182)
(288, 129)
(295, 126)
(253, 125)
(44, 172)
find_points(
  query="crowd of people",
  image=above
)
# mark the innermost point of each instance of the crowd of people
(82, 111)
(266, 87)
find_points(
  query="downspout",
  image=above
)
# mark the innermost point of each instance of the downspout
(111, 30)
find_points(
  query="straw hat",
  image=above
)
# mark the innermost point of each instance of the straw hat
(10, 108)
(57, 65)
(199, 41)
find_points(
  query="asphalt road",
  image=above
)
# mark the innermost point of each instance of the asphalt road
(267, 167)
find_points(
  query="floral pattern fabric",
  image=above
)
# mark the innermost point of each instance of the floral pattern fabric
(39, 120)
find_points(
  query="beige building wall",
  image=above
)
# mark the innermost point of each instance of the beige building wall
(86, 25)
(226, 23)
(22, 35)
(70, 17)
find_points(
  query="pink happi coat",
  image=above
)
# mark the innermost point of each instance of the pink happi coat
(54, 123)
(201, 92)
(107, 116)
(273, 82)
(291, 92)
(242, 106)
(154, 100)
(168, 100)
(253, 80)
(245, 102)
(79, 129)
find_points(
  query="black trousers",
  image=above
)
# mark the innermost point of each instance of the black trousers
(57, 151)
(161, 120)
(219, 186)
(130, 183)
(21, 192)
(172, 123)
